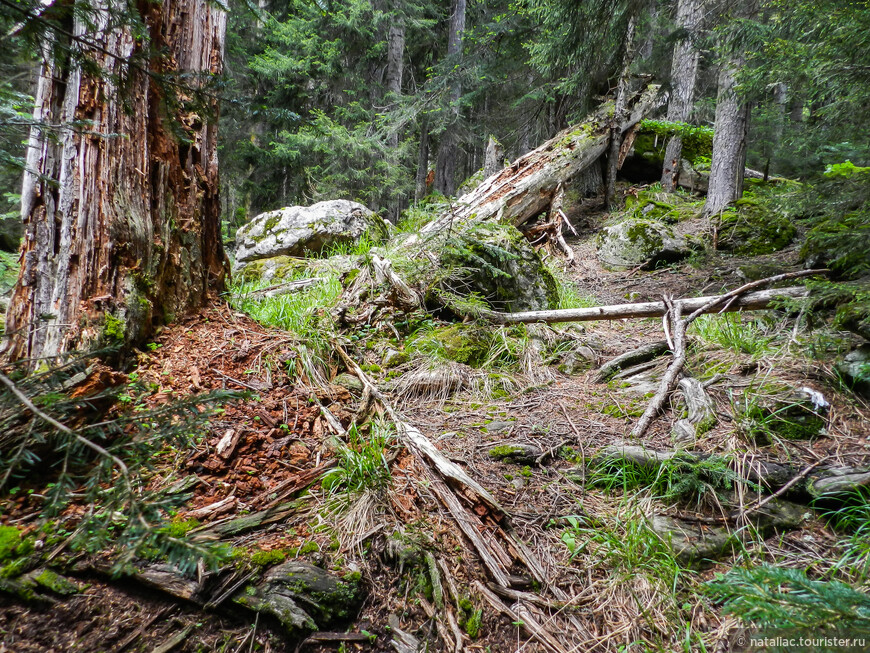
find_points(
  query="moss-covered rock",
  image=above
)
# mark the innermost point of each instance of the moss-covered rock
(303, 597)
(791, 415)
(274, 269)
(637, 242)
(516, 452)
(753, 229)
(462, 343)
(854, 369)
(498, 264)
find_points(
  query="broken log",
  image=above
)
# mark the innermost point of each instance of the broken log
(526, 188)
(750, 301)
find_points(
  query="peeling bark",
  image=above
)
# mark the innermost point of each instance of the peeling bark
(122, 218)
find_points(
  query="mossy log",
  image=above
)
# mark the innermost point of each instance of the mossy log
(526, 188)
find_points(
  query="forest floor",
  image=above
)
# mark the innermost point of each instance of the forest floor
(619, 585)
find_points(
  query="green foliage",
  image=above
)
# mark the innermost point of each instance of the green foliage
(304, 314)
(683, 479)
(736, 331)
(777, 597)
(626, 549)
(697, 139)
(845, 170)
(362, 463)
(104, 463)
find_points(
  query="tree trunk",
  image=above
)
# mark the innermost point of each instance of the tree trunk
(395, 56)
(493, 159)
(445, 166)
(122, 219)
(684, 73)
(619, 114)
(525, 188)
(730, 127)
(729, 143)
(422, 161)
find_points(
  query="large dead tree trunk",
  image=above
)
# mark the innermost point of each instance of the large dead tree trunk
(526, 188)
(122, 218)
(684, 72)
(619, 114)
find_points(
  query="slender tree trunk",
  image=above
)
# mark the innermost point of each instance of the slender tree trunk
(730, 127)
(395, 56)
(445, 166)
(729, 143)
(619, 114)
(122, 219)
(422, 161)
(493, 159)
(684, 73)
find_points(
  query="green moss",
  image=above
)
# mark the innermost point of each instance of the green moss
(268, 558)
(113, 328)
(457, 342)
(181, 527)
(56, 583)
(472, 624)
(526, 472)
(10, 538)
(754, 229)
(308, 547)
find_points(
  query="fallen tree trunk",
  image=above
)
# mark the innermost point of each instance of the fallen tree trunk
(749, 301)
(526, 188)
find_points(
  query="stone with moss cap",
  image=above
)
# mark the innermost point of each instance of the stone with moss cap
(300, 230)
(303, 597)
(639, 242)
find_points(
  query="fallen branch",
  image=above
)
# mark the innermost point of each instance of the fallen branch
(678, 333)
(750, 301)
(285, 288)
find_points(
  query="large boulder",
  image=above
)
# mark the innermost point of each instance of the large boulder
(854, 369)
(301, 230)
(639, 242)
(498, 264)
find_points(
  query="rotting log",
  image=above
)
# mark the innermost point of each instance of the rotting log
(750, 301)
(526, 188)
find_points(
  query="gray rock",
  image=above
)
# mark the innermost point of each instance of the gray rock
(302, 597)
(639, 242)
(514, 452)
(498, 264)
(298, 230)
(495, 426)
(855, 370)
(349, 381)
(394, 357)
(699, 543)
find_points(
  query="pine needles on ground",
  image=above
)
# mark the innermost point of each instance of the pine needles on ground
(86, 442)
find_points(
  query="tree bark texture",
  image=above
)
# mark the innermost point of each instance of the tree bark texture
(684, 73)
(493, 159)
(729, 143)
(525, 188)
(395, 57)
(448, 144)
(619, 114)
(122, 217)
(731, 125)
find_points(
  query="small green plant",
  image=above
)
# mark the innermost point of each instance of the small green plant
(737, 332)
(362, 462)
